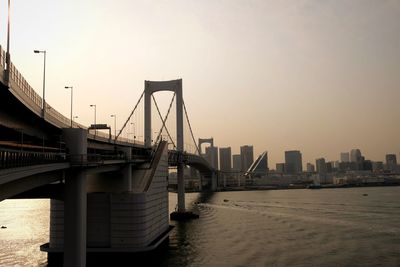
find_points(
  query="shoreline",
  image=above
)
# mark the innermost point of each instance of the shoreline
(266, 187)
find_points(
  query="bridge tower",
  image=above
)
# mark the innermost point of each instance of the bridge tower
(205, 141)
(211, 142)
(175, 86)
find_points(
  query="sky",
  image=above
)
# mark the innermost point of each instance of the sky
(321, 77)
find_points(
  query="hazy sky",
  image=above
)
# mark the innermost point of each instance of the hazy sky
(318, 76)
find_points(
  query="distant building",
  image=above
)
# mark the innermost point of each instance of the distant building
(344, 166)
(344, 157)
(329, 167)
(247, 157)
(237, 163)
(391, 162)
(377, 166)
(355, 155)
(293, 162)
(335, 165)
(212, 156)
(321, 165)
(310, 167)
(280, 167)
(225, 159)
(356, 160)
(259, 167)
(367, 165)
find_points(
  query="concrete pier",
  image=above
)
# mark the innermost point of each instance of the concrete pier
(75, 200)
(75, 204)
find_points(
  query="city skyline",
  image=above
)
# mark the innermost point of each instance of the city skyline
(318, 77)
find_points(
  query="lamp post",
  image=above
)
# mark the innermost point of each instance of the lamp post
(72, 93)
(44, 79)
(8, 44)
(95, 130)
(115, 126)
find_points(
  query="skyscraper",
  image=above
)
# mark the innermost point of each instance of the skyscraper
(237, 166)
(225, 159)
(355, 155)
(212, 156)
(321, 165)
(391, 162)
(293, 162)
(344, 157)
(247, 157)
(310, 167)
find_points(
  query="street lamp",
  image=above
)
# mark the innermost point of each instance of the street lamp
(115, 125)
(72, 92)
(44, 78)
(95, 131)
(8, 45)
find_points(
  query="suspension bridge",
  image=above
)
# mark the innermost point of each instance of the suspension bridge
(108, 193)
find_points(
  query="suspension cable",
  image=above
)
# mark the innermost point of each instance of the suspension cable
(190, 128)
(164, 120)
(126, 122)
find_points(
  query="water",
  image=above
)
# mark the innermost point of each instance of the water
(326, 227)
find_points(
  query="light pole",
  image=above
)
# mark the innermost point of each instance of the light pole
(44, 79)
(72, 93)
(8, 44)
(115, 126)
(95, 129)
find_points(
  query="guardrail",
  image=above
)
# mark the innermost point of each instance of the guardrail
(25, 92)
(2, 58)
(23, 85)
(16, 158)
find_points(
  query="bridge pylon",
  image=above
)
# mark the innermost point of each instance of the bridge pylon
(175, 86)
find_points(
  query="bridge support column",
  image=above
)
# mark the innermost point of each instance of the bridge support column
(75, 201)
(201, 182)
(75, 204)
(214, 182)
(181, 188)
(127, 170)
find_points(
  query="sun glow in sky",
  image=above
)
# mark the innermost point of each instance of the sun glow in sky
(322, 77)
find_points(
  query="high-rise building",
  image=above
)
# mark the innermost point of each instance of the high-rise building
(344, 157)
(293, 162)
(212, 156)
(247, 157)
(355, 155)
(329, 167)
(237, 163)
(367, 165)
(280, 167)
(321, 165)
(225, 159)
(356, 160)
(391, 162)
(310, 167)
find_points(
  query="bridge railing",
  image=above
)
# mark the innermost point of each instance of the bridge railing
(26, 94)
(99, 159)
(16, 158)
(2, 63)
(56, 117)
(22, 88)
